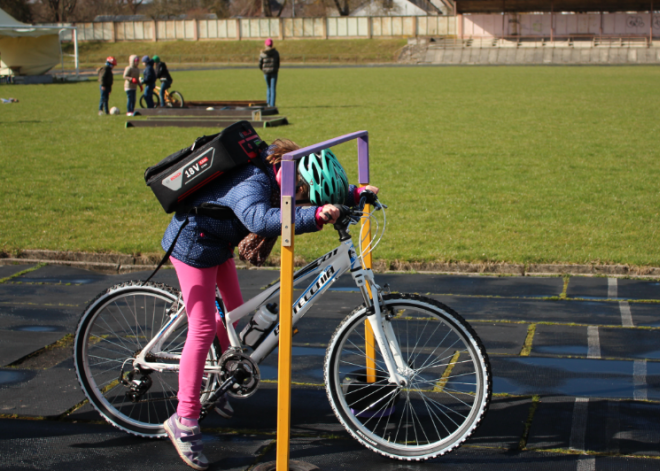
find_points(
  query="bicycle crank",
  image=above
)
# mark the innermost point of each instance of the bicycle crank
(239, 373)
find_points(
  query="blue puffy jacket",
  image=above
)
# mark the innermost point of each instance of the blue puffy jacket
(207, 242)
(149, 77)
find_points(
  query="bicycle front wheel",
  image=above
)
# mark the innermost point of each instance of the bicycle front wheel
(176, 100)
(112, 331)
(154, 97)
(447, 369)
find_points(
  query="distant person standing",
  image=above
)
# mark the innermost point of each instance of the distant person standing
(131, 83)
(269, 63)
(105, 81)
(149, 80)
(165, 78)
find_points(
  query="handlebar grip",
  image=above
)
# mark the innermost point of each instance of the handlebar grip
(367, 197)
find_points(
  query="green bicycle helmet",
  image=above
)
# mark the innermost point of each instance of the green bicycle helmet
(156, 59)
(326, 178)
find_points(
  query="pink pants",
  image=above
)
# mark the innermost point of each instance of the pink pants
(198, 289)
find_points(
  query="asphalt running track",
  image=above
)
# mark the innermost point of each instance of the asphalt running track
(576, 366)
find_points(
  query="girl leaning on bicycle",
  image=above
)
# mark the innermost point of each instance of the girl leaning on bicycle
(203, 257)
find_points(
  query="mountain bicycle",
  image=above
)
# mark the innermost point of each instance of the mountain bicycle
(413, 389)
(173, 99)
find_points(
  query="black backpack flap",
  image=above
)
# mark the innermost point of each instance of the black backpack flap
(190, 169)
(175, 158)
(241, 139)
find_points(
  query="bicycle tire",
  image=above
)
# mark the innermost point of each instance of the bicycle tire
(111, 330)
(446, 399)
(154, 96)
(176, 100)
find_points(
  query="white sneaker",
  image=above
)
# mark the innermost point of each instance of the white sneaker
(101, 113)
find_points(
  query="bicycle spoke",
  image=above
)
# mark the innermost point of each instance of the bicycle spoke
(360, 366)
(118, 329)
(416, 419)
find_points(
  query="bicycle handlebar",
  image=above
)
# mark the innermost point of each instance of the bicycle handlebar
(348, 215)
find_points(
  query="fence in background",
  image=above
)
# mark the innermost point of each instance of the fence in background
(260, 28)
(558, 25)
(534, 25)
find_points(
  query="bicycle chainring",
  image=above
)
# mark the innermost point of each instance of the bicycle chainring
(234, 363)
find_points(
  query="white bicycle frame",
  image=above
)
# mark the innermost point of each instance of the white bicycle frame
(325, 270)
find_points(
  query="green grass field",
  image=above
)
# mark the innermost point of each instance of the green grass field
(177, 53)
(518, 164)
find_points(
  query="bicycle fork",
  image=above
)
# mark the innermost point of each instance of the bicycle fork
(398, 370)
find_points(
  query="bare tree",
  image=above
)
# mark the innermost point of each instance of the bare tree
(279, 13)
(342, 7)
(345, 7)
(132, 5)
(62, 10)
(246, 8)
(19, 9)
(219, 7)
(265, 8)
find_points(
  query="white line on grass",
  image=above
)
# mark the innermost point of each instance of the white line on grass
(612, 288)
(579, 426)
(593, 341)
(586, 464)
(639, 380)
(626, 315)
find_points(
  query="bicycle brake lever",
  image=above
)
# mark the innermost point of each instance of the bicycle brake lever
(369, 197)
(344, 215)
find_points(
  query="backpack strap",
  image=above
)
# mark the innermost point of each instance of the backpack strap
(170, 250)
(211, 210)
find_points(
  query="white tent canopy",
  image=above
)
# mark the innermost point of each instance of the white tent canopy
(27, 49)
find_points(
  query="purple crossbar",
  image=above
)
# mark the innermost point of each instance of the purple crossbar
(289, 166)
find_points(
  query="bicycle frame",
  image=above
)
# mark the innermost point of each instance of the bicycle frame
(167, 93)
(325, 270)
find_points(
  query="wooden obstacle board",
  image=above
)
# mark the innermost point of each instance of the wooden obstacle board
(211, 122)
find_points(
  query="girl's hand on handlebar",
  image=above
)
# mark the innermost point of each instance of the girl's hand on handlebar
(327, 214)
(373, 189)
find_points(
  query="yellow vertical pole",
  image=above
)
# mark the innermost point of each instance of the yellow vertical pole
(369, 347)
(286, 337)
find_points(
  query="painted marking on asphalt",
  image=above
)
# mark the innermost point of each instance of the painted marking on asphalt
(626, 315)
(612, 288)
(586, 464)
(579, 426)
(593, 341)
(639, 380)
(613, 427)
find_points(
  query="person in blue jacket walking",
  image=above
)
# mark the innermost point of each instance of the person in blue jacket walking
(203, 258)
(149, 80)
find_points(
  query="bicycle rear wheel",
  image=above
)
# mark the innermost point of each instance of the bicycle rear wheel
(112, 331)
(176, 100)
(449, 381)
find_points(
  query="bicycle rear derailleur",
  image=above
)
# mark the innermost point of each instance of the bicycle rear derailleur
(137, 382)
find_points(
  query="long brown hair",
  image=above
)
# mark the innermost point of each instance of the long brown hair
(283, 146)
